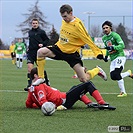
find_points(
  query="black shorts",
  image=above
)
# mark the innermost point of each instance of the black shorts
(74, 94)
(13, 54)
(31, 57)
(71, 59)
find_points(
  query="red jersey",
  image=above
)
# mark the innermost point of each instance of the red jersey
(37, 95)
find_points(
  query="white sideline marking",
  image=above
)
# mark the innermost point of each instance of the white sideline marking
(16, 91)
(11, 91)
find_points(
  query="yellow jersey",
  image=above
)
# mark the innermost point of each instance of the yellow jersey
(73, 35)
(11, 48)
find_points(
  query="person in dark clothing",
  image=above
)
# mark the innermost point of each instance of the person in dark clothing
(37, 39)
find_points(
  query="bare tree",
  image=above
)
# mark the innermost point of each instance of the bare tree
(95, 31)
(34, 12)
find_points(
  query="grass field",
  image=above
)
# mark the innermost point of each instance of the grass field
(15, 118)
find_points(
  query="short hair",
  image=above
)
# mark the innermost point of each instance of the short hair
(35, 19)
(65, 8)
(107, 23)
(33, 71)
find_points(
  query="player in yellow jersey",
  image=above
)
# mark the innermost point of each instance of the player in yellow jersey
(73, 36)
(13, 55)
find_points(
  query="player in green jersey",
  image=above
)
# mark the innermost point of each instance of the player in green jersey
(114, 46)
(20, 50)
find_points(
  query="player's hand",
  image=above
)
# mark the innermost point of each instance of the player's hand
(109, 48)
(61, 107)
(40, 45)
(106, 59)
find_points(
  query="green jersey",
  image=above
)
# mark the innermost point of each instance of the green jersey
(20, 48)
(114, 39)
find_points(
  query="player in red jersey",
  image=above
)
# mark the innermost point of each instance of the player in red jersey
(37, 95)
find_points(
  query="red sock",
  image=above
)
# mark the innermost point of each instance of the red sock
(85, 99)
(98, 97)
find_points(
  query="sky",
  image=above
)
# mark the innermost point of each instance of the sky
(116, 11)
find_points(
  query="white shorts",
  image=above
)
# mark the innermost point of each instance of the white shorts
(117, 63)
(20, 56)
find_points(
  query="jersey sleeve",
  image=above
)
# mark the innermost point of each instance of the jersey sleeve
(120, 44)
(29, 102)
(85, 37)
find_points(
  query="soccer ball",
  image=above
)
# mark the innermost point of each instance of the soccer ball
(48, 108)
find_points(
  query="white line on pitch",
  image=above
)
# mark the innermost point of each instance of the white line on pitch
(16, 91)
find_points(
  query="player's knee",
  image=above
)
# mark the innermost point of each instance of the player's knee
(21, 60)
(40, 52)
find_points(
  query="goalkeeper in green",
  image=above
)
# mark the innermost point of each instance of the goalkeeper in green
(114, 46)
(20, 50)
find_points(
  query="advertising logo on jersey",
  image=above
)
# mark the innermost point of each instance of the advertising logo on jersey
(40, 94)
(63, 39)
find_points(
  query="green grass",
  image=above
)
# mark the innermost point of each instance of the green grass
(15, 118)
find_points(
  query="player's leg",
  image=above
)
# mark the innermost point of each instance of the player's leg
(41, 54)
(21, 60)
(96, 94)
(46, 78)
(74, 94)
(128, 73)
(80, 72)
(17, 60)
(77, 91)
(116, 68)
(14, 58)
(96, 71)
(86, 100)
(30, 64)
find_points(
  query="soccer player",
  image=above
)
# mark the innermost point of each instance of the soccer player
(73, 36)
(37, 39)
(115, 45)
(13, 55)
(37, 95)
(20, 50)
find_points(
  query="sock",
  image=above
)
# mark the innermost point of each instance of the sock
(29, 79)
(40, 67)
(85, 99)
(98, 97)
(93, 72)
(18, 64)
(46, 78)
(13, 62)
(125, 74)
(21, 63)
(75, 73)
(121, 85)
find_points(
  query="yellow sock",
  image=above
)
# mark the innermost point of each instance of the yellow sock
(75, 73)
(93, 72)
(13, 62)
(40, 67)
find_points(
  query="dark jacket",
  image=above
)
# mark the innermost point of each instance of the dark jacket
(37, 36)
